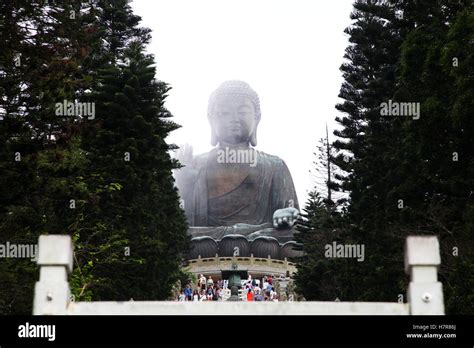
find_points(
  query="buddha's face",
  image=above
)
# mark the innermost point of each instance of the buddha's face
(234, 120)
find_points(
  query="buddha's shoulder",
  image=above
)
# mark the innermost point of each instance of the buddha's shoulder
(271, 159)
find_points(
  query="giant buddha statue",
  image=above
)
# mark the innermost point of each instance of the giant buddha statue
(236, 197)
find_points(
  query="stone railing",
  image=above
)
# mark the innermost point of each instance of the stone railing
(52, 293)
(254, 265)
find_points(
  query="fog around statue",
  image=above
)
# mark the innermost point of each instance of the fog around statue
(236, 189)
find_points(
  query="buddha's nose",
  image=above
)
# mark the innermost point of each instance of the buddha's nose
(234, 117)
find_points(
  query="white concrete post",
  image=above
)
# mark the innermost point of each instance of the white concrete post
(422, 259)
(52, 291)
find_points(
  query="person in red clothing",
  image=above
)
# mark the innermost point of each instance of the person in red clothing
(250, 295)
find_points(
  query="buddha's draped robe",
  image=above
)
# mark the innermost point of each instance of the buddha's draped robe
(239, 198)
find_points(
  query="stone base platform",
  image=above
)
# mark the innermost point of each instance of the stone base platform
(239, 245)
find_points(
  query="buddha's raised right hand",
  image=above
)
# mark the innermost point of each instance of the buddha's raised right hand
(285, 217)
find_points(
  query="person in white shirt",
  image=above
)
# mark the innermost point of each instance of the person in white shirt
(249, 282)
(202, 281)
(182, 297)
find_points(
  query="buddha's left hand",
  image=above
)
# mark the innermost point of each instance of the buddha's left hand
(285, 217)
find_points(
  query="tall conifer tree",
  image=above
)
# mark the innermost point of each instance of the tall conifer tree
(68, 180)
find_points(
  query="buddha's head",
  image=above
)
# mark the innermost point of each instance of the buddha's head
(234, 114)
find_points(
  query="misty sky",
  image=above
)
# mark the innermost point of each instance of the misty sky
(289, 51)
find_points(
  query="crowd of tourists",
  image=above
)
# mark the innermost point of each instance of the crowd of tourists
(260, 289)
(254, 289)
(206, 290)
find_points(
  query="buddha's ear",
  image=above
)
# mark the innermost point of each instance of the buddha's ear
(253, 136)
(213, 137)
(213, 130)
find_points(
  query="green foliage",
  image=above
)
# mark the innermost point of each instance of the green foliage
(319, 278)
(406, 59)
(128, 230)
